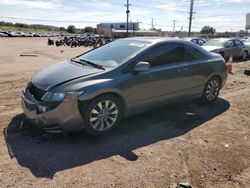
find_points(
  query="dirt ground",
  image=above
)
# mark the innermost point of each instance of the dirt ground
(207, 146)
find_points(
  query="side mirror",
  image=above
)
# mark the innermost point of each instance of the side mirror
(142, 67)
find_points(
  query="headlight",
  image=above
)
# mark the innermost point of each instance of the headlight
(60, 96)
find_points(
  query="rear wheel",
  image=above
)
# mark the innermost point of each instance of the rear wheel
(244, 55)
(211, 90)
(102, 114)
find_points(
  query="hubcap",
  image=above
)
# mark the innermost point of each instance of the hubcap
(212, 90)
(244, 55)
(103, 115)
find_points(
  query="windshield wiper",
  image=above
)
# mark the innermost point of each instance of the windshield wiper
(76, 61)
(93, 64)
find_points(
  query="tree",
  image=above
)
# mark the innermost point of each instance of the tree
(207, 30)
(62, 29)
(71, 29)
(89, 29)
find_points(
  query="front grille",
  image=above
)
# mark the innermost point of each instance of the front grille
(36, 92)
(30, 106)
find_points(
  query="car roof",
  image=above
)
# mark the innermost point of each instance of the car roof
(223, 39)
(148, 39)
(154, 40)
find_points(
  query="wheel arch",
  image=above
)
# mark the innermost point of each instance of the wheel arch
(84, 102)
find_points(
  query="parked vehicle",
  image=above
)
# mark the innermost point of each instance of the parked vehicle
(83, 40)
(246, 41)
(227, 47)
(198, 41)
(95, 90)
(3, 34)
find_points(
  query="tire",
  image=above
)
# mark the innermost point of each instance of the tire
(102, 114)
(244, 55)
(247, 72)
(211, 90)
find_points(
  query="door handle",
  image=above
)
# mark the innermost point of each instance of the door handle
(183, 69)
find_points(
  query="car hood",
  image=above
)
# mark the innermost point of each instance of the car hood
(211, 48)
(61, 73)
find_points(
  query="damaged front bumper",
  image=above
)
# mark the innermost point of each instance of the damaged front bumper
(64, 117)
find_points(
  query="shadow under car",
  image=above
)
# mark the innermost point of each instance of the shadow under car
(46, 154)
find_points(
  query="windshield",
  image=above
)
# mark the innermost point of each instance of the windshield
(217, 43)
(113, 54)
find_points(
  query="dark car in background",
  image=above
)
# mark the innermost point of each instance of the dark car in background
(197, 41)
(227, 47)
(93, 91)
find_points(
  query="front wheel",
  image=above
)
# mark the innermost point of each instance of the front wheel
(102, 114)
(211, 90)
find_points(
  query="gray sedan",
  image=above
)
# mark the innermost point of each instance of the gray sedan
(93, 91)
(227, 47)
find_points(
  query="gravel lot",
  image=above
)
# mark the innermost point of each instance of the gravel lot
(207, 146)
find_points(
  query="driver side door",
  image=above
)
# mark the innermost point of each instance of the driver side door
(168, 78)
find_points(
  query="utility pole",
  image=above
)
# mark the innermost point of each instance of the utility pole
(152, 24)
(133, 29)
(190, 17)
(174, 26)
(127, 12)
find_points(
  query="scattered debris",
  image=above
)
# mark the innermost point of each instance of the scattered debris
(184, 185)
(204, 140)
(247, 71)
(29, 55)
(51, 42)
(181, 185)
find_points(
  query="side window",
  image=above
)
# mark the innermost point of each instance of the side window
(192, 54)
(201, 42)
(238, 43)
(230, 43)
(164, 54)
(122, 26)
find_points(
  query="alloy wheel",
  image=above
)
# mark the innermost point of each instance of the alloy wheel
(212, 90)
(104, 115)
(244, 55)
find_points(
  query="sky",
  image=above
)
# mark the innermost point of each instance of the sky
(223, 15)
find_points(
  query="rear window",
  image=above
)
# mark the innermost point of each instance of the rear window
(192, 54)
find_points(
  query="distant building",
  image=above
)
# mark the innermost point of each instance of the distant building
(119, 26)
(120, 30)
